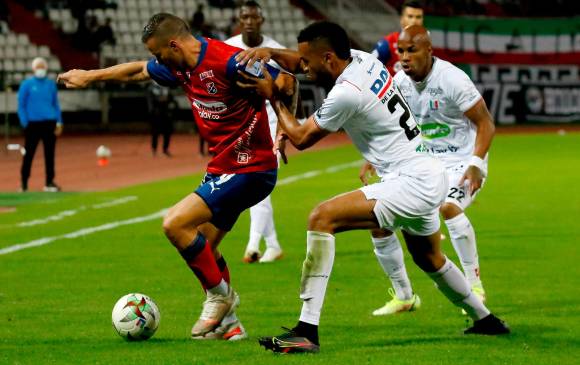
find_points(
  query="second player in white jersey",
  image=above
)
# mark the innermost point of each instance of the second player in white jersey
(261, 214)
(439, 104)
(238, 41)
(457, 129)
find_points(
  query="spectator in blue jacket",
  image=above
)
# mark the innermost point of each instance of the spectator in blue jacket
(40, 116)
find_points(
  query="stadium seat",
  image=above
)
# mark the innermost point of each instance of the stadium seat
(131, 4)
(22, 51)
(54, 65)
(9, 65)
(20, 65)
(43, 51)
(11, 39)
(9, 53)
(32, 51)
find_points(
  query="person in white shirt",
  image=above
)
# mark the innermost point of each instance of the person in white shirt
(364, 101)
(261, 214)
(457, 128)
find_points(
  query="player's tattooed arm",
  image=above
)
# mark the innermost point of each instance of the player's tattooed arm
(480, 116)
(124, 72)
(288, 59)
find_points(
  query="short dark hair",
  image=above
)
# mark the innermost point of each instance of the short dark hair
(251, 4)
(415, 4)
(164, 25)
(330, 33)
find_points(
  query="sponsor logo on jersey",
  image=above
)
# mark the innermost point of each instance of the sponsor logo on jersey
(204, 75)
(209, 110)
(382, 83)
(211, 88)
(441, 150)
(434, 91)
(435, 130)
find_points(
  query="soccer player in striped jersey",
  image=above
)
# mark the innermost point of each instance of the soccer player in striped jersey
(243, 169)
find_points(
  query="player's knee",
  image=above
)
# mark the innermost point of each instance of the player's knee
(428, 261)
(380, 233)
(320, 219)
(171, 225)
(449, 210)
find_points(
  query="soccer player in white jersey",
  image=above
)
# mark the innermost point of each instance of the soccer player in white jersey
(457, 128)
(364, 101)
(261, 214)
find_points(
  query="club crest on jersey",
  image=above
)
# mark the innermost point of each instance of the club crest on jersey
(211, 89)
(434, 104)
(243, 158)
(204, 75)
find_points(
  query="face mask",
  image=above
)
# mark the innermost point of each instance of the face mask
(40, 73)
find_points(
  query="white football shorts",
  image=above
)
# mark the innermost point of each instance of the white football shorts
(410, 200)
(459, 195)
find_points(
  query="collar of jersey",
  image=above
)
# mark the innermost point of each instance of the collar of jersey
(422, 84)
(202, 52)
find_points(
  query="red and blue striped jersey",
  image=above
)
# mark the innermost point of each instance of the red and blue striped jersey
(234, 122)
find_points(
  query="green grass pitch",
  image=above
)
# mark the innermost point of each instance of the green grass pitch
(56, 299)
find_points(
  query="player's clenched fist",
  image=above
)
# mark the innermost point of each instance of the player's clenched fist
(75, 79)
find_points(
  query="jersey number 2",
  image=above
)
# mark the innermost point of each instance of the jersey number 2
(392, 105)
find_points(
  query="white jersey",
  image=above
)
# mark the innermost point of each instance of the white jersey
(439, 104)
(365, 102)
(237, 41)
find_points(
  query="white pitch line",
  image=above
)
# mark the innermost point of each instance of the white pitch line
(311, 174)
(82, 232)
(112, 203)
(68, 213)
(112, 225)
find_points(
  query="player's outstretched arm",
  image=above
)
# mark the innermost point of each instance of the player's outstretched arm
(480, 116)
(124, 72)
(288, 59)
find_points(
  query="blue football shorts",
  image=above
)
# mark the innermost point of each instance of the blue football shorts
(228, 195)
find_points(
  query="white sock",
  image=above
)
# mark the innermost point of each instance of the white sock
(454, 286)
(260, 217)
(316, 271)
(269, 234)
(230, 318)
(222, 288)
(462, 237)
(390, 255)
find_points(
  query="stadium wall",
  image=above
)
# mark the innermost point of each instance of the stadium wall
(527, 69)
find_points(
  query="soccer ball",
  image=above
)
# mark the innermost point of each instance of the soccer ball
(136, 317)
(103, 152)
